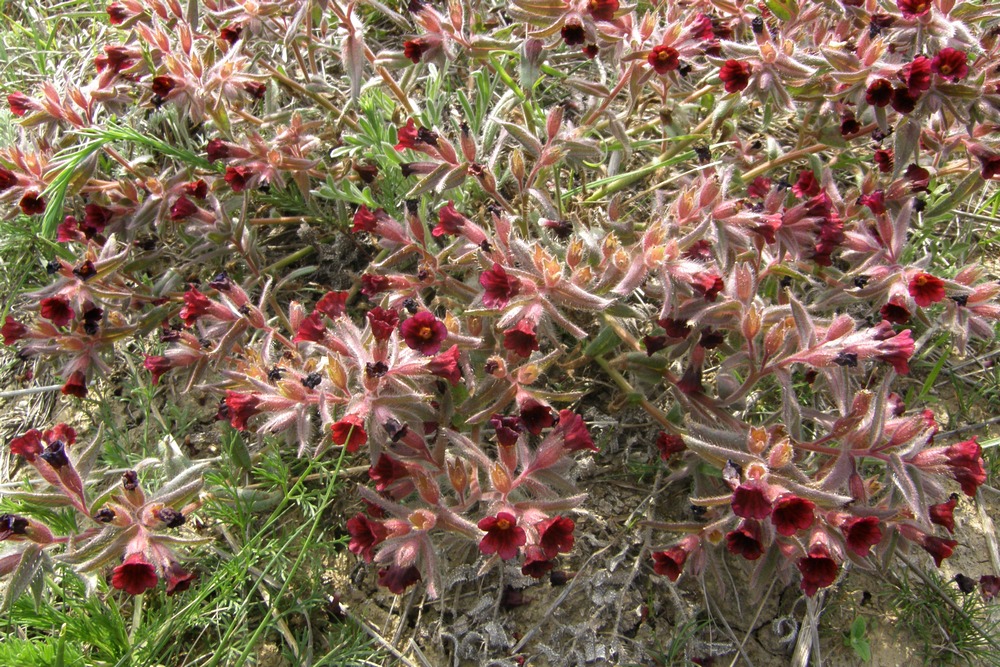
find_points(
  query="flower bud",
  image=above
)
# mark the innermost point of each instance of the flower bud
(458, 476)
(757, 440)
(780, 456)
(500, 479)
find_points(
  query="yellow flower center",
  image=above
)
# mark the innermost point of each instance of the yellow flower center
(425, 333)
(503, 524)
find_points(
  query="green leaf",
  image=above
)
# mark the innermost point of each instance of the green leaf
(27, 570)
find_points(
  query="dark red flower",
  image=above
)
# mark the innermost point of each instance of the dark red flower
(675, 328)
(184, 208)
(20, 104)
(919, 178)
(916, 75)
(162, 85)
(861, 534)
(943, 514)
(231, 33)
(989, 585)
(118, 13)
(398, 579)
(849, 125)
(750, 501)
(450, 221)
(406, 136)
(507, 428)
(926, 289)
(938, 548)
(382, 322)
(818, 569)
(791, 514)
(386, 471)
(500, 286)
(237, 177)
(57, 310)
(806, 185)
(32, 203)
(332, 304)
(196, 304)
(912, 8)
(875, 201)
(670, 563)
(536, 416)
(965, 460)
(157, 366)
(879, 93)
(663, 59)
(372, 284)
(241, 407)
(709, 284)
(590, 51)
(602, 10)
(28, 445)
(217, 149)
(759, 187)
(364, 220)
(894, 348)
(745, 540)
(424, 332)
(949, 63)
(735, 75)
(12, 331)
(884, 160)
(536, 564)
(349, 432)
(521, 338)
(903, 101)
(13, 526)
(365, 536)
(115, 59)
(7, 179)
(669, 444)
(178, 579)
(576, 437)
(445, 365)
(312, 329)
(135, 576)
(255, 89)
(414, 49)
(555, 536)
(573, 34)
(895, 313)
(95, 219)
(503, 535)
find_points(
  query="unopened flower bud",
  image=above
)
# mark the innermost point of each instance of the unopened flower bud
(751, 323)
(528, 374)
(517, 166)
(423, 520)
(554, 121)
(500, 479)
(757, 440)
(780, 456)
(458, 476)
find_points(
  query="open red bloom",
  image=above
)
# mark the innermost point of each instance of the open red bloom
(750, 501)
(349, 432)
(576, 437)
(670, 563)
(115, 59)
(745, 540)
(196, 304)
(911, 8)
(7, 179)
(861, 533)
(916, 75)
(406, 136)
(883, 159)
(32, 203)
(57, 310)
(507, 428)
(874, 201)
(536, 416)
(950, 63)
(791, 514)
(445, 365)
(879, 93)
(178, 579)
(364, 220)
(20, 104)
(398, 579)
(669, 444)
(12, 331)
(424, 332)
(806, 185)
(503, 535)
(943, 514)
(818, 569)
(536, 564)
(555, 536)
(332, 304)
(602, 10)
(521, 338)
(895, 313)
(500, 286)
(238, 177)
(382, 322)
(118, 13)
(157, 366)
(135, 576)
(989, 585)
(386, 471)
(241, 407)
(893, 348)
(414, 49)
(75, 385)
(938, 548)
(926, 289)
(965, 462)
(28, 445)
(735, 75)
(450, 221)
(311, 329)
(162, 85)
(365, 536)
(573, 34)
(903, 101)
(663, 59)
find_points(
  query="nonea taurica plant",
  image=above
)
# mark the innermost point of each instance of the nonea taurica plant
(433, 238)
